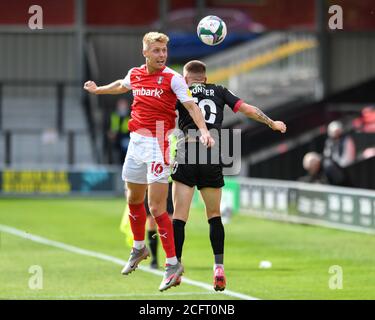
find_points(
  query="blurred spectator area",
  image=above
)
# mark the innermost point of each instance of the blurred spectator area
(283, 159)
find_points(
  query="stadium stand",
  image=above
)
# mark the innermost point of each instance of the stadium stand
(26, 107)
(2, 147)
(31, 151)
(43, 127)
(73, 116)
(272, 70)
(40, 96)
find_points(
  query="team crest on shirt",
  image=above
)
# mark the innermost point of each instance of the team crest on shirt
(160, 80)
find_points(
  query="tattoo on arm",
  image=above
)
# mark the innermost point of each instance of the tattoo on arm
(261, 117)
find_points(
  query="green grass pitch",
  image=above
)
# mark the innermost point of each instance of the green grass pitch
(301, 256)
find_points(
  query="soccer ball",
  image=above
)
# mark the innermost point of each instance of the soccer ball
(211, 30)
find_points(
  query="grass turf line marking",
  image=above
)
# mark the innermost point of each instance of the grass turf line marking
(102, 256)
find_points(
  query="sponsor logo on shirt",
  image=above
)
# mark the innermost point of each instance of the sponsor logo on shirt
(148, 92)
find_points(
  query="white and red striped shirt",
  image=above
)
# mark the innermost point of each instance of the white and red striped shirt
(155, 97)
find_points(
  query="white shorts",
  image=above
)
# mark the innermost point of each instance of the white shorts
(145, 162)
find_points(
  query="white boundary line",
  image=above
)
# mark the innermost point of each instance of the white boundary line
(98, 255)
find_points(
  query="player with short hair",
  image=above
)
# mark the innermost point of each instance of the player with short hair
(207, 177)
(156, 89)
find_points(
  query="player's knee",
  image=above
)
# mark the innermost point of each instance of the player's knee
(180, 216)
(133, 198)
(154, 209)
(213, 213)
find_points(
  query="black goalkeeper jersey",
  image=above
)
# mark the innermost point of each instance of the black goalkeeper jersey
(211, 99)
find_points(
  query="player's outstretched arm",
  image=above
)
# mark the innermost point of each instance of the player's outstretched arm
(198, 119)
(115, 87)
(256, 114)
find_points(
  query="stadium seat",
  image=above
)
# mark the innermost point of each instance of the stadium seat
(73, 114)
(29, 107)
(29, 149)
(2, 150)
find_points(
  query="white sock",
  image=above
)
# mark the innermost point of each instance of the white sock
(171, 261)
(138, 244)
(218, 265)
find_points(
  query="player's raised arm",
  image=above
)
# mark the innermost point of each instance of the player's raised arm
(256, 114)
(197, 116)
(115, 87)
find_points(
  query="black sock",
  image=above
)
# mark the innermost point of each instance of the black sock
(217, 236)
(153, 244)
(179, 236)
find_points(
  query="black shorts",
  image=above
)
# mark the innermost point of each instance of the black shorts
(208, 175)
(200, 175)
(170, 208)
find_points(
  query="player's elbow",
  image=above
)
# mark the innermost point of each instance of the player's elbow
(120, 88)
(189, 106)
(123, 89)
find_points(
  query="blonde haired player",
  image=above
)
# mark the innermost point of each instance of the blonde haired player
(156, 89)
